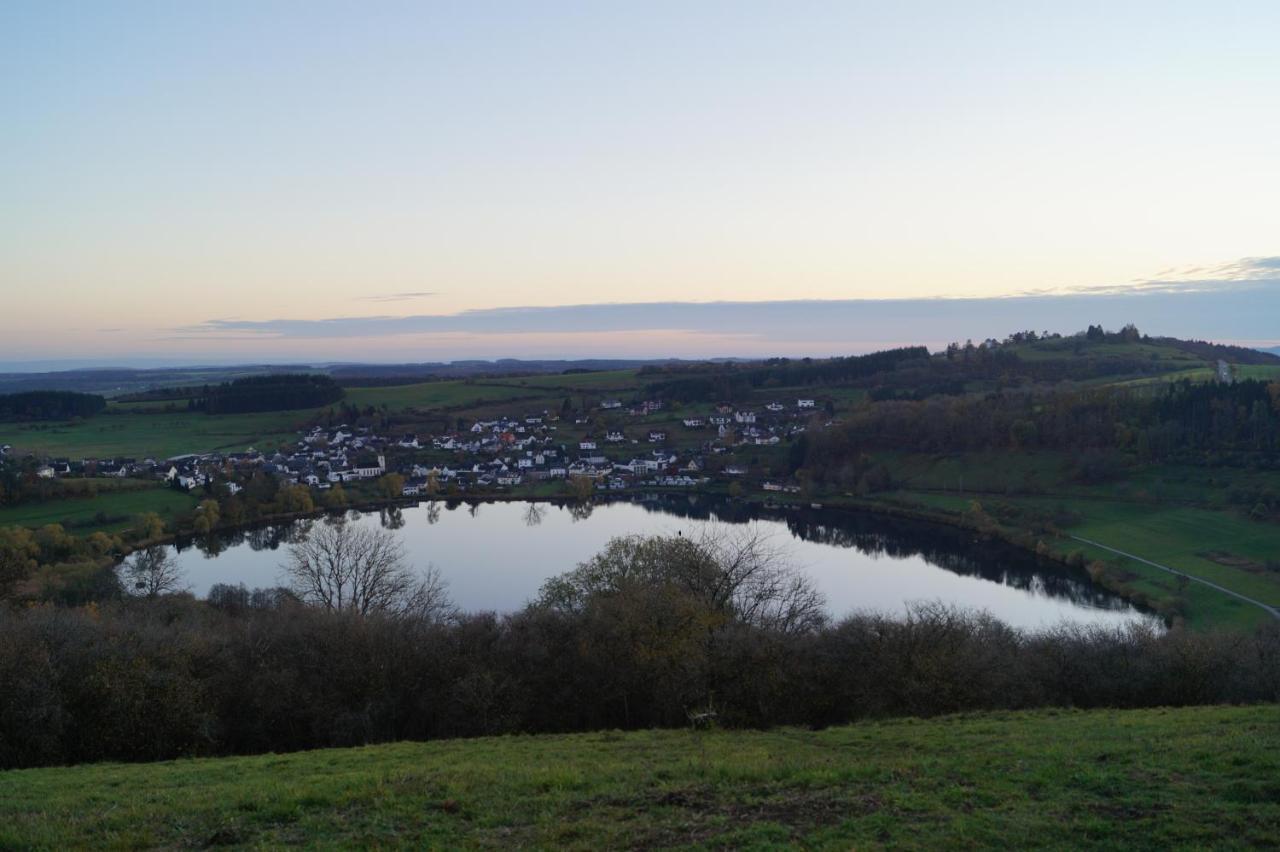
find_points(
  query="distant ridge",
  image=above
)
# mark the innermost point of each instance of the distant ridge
(112, 381)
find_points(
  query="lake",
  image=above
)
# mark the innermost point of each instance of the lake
(495, 556)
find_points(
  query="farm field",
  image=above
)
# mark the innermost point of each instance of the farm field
(155, 435)
(108, 512)
(1134, 779)
(435, 395)
(1220, 546)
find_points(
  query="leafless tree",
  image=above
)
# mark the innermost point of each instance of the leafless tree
(152, 572)
(754, 576)
(533, 515)
(345, 567)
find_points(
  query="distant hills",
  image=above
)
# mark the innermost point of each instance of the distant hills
(114, 381)
(118, 381)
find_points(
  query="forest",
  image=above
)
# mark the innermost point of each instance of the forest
(1221, 423)
(49, 405)
(279, 392)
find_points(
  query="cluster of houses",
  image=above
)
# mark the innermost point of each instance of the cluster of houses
(735, 426)
(502, 452)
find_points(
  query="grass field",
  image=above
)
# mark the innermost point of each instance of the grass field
(1135, 779)
(430, 395)
(1218, 545)
(1265, 372)
(1168, 356)
(109, 512)
(155, 435)
(603, 381)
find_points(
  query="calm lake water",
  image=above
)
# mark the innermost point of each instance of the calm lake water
(495, 556)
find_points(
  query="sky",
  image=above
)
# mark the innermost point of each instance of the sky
(233, 181)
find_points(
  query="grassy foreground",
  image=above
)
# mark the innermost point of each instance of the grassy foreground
(1160, 779)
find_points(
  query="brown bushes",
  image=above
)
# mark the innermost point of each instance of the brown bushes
(143, 680)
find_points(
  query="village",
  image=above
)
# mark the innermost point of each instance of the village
(608, 449)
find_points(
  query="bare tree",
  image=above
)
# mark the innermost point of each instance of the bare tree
(152, 572)
(756, 579)
(344, 567)
(533, 515)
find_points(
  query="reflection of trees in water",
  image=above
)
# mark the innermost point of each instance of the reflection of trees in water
(266, 536)
(952, 549)
(213, 545)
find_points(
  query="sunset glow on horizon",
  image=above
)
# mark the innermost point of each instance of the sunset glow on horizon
(295, 171)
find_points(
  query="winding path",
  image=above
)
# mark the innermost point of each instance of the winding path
(1273, 611)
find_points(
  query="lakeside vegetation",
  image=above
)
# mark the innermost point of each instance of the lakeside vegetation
(1051, 436)
(651, 632)
(1133, 779)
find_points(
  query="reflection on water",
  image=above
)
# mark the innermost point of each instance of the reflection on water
(496, 555)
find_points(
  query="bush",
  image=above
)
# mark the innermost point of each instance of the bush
(256, 671)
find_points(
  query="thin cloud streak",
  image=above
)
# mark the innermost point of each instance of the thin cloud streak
(1191, 311)
(395, 297)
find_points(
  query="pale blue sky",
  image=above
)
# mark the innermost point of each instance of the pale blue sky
(166, 167)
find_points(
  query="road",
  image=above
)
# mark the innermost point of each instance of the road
(1274, 611)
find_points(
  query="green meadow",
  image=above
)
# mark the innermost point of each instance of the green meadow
(156, 435)
(1194, 778)
(110, 511)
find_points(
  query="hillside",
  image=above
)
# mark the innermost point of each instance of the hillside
(1123, 439)
(1154, 779)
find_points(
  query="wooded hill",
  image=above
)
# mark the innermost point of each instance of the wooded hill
(49, 405)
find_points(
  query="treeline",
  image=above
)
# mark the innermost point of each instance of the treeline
(784, 372)
(259, 672)
(732, 381)
(1230, 422)
(280, 392)
(1214, 351)
(49, 405)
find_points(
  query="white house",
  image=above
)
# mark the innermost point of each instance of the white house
(804, 403)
